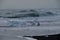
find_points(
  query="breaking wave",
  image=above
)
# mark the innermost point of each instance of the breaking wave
(30, 17)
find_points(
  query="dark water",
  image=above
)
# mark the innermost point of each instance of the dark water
(25, 13)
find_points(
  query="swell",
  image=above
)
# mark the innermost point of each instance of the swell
(24, 13)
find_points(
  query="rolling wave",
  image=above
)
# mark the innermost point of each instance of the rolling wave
(24, 13)
(29, 17)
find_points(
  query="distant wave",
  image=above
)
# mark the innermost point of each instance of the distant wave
(24, 13)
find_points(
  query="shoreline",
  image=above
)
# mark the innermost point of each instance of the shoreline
(30, 31)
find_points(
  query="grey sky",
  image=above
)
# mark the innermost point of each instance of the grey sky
(19, 4)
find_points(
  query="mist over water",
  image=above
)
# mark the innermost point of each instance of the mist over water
(29, 4)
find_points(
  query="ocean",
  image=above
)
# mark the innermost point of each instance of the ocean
(29, 17)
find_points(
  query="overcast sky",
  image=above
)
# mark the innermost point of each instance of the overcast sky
(21, 4)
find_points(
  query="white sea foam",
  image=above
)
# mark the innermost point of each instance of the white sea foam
(8, 17)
